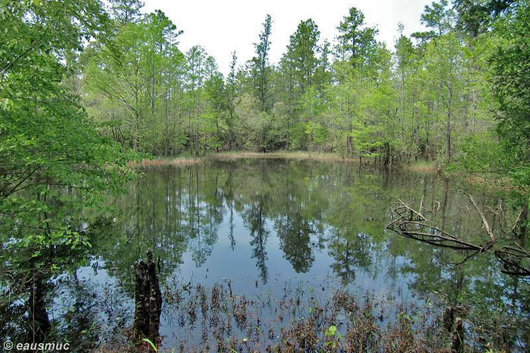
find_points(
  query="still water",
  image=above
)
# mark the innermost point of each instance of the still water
(267, 227)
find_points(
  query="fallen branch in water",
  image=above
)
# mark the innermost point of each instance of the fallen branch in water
(412, 224)
(492, 241)
(512, 258)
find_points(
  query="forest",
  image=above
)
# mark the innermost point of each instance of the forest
(89, 86)
(435, 96)
(455, 94)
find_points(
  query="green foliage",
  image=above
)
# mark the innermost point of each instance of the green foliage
(260, 67)
(301, 53)
(512, 90)
(126, 11)
(476, 17)
(423, 101)
(80, 89)
(54, 163)
(132, 85)
(47, 141)
(355, 40)
(332, 336)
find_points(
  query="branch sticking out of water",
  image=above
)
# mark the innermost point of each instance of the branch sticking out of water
(412, 224)
(492, 241)
(512, 258)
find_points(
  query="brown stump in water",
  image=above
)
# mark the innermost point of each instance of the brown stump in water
(448, 319)
(39, 321)
(458, 337)
(148, 301)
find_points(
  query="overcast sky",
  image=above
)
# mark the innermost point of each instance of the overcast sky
(222, 26)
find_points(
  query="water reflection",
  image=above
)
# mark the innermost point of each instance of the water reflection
(274, 221)
(292, 209)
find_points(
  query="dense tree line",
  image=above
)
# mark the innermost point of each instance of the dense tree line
(425, 97)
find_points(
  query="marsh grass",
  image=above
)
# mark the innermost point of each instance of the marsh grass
(300, 155)
(218, 320)
(422, 166)
(302, 319)
(160, 162)
(183, 161)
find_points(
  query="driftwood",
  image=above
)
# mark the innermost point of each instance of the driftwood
(492, 241)
(412, 224)
(512, 258)
(148, 301)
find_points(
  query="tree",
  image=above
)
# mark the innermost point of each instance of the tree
(134, 85)
(356, 50)
(511, 83)
(302, 53)
(231, 95)
(355, 39)
(476, 17)
(444, 63)
(297, 76)
(409, 123)
(126, 11)
(53, 161)
(201, 70)
(217, 106)
(439, 17)
(260, 67)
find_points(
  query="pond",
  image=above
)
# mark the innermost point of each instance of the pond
(269, 230)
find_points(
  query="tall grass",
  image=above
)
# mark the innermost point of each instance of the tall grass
(165, 161)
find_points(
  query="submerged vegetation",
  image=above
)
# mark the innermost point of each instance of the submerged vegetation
(299, 318)
(90, 89)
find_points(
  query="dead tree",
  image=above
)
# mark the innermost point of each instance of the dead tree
(515, 258)
(412, 224)
(148, 301)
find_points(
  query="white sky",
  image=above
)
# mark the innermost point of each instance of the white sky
(222, 26)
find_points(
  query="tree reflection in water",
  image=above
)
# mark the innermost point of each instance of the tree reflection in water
(277, 221)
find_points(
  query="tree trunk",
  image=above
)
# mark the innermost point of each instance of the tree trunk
(523, 225)
(349, 145)
(445, 200)
(386, 161)
(148, 301)
(448, 135)
(39, 321)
